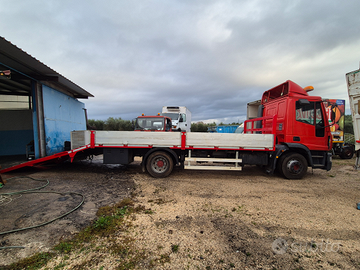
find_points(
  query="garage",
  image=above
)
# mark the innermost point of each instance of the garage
(38, 106)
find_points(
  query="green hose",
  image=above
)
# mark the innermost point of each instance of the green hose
(29, 191)
(11, 247)
(23, 191)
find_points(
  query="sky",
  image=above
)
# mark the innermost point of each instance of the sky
(212, 56)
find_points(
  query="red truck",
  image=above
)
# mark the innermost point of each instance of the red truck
(290, 134)
(302, 135)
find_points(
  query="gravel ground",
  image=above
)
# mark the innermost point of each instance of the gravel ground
(215, 219)
(249, 220)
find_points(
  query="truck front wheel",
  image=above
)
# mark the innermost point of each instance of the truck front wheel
(293, 165)
(159, 164)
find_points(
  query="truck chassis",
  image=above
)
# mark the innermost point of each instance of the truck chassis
(160, 152)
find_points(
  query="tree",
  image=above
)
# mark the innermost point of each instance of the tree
(348, 125)
(201, 126)
(111, 123)
(95, 124)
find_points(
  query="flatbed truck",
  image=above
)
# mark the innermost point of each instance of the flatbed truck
(289, 136)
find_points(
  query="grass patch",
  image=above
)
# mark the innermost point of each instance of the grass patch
(64, 247)
(97, 238)
(60, 266)
(149, 211)
(174, 248)
(34, 262)
(238, 208)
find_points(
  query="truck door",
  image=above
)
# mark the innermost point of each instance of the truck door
(309, 126)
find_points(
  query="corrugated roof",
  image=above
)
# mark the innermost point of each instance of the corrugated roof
(16, 59)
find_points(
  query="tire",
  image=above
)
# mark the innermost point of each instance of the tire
(293, 166)
(159, 164)
(347, 152)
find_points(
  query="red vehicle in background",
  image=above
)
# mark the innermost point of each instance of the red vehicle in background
(153, 123)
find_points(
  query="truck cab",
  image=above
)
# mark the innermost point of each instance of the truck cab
(180, 117)
(153, 123)
(301, 118)
(301, 127)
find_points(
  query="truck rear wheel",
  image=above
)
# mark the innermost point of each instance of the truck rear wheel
(347, 152)
(293, 166)
(159, 164)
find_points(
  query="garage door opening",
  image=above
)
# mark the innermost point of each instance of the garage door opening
(16, 127)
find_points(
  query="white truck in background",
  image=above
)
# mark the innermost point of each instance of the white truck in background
(180, 117)
(353, 84)
(253, 109)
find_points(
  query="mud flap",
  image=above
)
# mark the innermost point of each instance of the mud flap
(328, 161)
(143, 167)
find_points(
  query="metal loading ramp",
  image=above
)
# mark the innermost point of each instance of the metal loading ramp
(56, 158)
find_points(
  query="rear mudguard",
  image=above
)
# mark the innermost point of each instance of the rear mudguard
(167, 150)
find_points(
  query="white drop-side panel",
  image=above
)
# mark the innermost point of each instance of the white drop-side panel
(80, 138)
(171, 139)
(229, 140)
(134, 138)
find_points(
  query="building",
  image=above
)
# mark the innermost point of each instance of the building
(38, 106)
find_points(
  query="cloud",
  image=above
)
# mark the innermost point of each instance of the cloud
(211, 56)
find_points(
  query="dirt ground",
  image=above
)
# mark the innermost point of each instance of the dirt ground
(99, 184)
(202, 219)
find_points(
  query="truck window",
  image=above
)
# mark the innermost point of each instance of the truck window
(183, 115)
(149, 124)
(311, 114)
(305, 112)
(157, 125)
(320, 123)
(173, 116)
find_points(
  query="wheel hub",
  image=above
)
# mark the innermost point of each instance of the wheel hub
(160, 163)
(294, 166)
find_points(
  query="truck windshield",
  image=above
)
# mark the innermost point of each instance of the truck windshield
(173, 116)
(149, 123)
